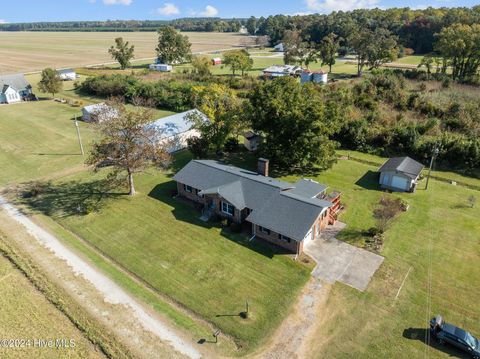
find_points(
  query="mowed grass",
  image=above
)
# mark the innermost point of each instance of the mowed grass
(438, 240)
(205, 268)
(39, 139)
(33, 51)
(212, 271)
(26, 314)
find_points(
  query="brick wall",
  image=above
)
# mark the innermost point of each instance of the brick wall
(321, 223)
(237, 216)
(273, 237)
(191, 196)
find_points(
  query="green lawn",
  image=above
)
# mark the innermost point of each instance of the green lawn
(209, 270)
(409, 60)
(38, 139)
(373, 324)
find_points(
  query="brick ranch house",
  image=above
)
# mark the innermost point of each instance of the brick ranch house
(285, 214)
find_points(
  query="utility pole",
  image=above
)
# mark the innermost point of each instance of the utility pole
(79, 137)
(432, 161)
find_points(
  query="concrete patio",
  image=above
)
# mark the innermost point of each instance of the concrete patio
(340, 261)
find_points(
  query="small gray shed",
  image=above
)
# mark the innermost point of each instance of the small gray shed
(400, 174)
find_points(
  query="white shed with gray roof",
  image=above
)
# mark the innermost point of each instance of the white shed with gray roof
(400, 174)
(99, 112)
(67, 74)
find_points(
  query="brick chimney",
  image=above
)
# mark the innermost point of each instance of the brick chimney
(263, 165)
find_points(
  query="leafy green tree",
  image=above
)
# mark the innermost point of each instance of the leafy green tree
(297, 122)
(292, 47)
(126, 143)
(238, 60)
(221, 105)
(459, 44)
(427, 62)
(122, 52)
(50, 82)
(202, 65)
(328, 49)
(372, 47)
(172, 46)
(252, 25)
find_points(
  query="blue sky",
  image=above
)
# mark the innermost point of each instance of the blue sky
(59, 10)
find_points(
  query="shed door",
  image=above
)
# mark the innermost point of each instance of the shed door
(400, 183)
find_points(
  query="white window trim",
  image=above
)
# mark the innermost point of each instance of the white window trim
(228, 205)
(188, 189)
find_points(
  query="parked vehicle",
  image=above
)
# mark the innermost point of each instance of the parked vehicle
(447, 333)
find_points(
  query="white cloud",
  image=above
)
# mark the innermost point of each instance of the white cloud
(168, 9)
(340, 5)
(209, 11)
(3, 21)
(117, 2)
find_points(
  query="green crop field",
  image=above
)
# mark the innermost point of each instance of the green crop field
(33, 51)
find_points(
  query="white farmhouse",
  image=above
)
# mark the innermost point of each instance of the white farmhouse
(174, 131)
(14, 88)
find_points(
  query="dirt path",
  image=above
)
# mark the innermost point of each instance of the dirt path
(139, 328)
(291, 339)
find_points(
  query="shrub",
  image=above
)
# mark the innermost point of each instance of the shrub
(231, 145)
(198, 146)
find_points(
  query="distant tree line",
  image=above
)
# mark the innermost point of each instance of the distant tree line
(414, 29)
(187, 24)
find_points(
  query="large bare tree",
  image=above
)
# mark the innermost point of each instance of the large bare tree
(128, 143)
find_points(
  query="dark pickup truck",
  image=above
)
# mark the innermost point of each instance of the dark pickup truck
(448, 333)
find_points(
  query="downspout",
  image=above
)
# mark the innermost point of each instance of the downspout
(254, 232)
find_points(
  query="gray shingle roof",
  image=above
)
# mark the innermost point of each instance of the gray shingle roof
(286, 208)
(16, 81)
(404, 165)
(308, 188)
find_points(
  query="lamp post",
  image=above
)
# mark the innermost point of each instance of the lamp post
(435, 153)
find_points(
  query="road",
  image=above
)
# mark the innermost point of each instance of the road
(109, 291)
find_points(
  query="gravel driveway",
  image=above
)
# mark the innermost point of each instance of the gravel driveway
(110, 291)
(340, 261)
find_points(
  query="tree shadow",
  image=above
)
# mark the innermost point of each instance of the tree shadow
(68, 198)
(351, 235)
(369, 181)
(421, 334)
(190, 212)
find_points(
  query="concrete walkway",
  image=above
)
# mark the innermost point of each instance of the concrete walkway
(340, 261)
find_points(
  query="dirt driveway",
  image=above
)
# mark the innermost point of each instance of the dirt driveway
(339, 261)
